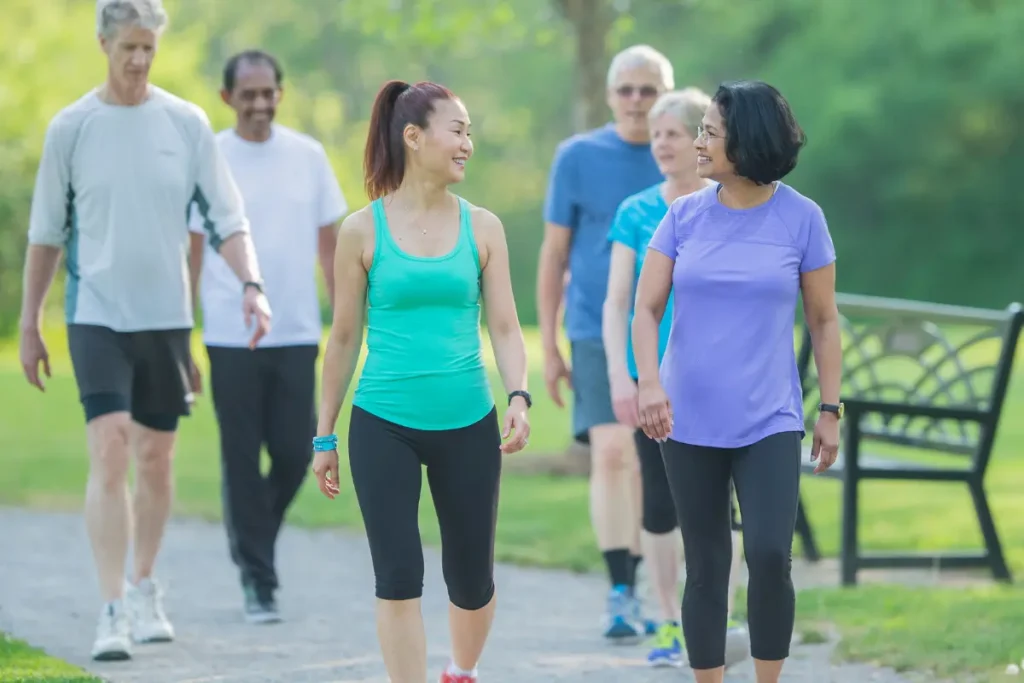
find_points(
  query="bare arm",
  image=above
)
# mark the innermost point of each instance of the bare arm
(346, 337)
(48, 222)
(41, 261)
(196, 242)
(500, 304)
(615, 319)
(240, 254)
(503, 327)
(652, 292)
(327, 243)
(822, 315)
(551, 269)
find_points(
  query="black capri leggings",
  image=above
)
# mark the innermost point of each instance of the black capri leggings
(463, 471)
(767, 479)
(659, 511)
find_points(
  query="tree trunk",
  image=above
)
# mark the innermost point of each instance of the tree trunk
(591, 21)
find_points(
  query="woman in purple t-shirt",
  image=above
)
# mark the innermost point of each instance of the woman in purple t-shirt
(728, 403)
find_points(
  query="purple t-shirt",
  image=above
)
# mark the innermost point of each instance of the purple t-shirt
(730, 368)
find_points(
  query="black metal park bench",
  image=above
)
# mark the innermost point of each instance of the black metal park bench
(926, 376)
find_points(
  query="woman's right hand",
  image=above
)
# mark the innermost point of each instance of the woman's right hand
(325, 467)
(655, 410)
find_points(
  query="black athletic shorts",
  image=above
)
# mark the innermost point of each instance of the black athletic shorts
(145, 373)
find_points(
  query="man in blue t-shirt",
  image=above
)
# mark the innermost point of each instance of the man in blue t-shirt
(591, 174)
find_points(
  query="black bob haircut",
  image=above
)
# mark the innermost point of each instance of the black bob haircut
(251, 56)
(763, 139)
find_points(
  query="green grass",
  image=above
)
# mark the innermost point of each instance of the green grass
(545, 521)
(20, 663)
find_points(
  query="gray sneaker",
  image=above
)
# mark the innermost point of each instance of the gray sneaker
(260, 606)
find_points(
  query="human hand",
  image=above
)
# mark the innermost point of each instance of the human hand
(516, 425)
(655, 410)
(256, 308)
(32, 352)
(195, 377)
(325, 467)
(825, 444)
(624, 401)
(555, 370)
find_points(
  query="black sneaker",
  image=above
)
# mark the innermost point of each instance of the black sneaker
(260, 606)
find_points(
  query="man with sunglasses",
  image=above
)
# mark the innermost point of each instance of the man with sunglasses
(591, 174)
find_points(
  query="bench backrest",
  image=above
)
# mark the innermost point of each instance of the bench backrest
(914, 352)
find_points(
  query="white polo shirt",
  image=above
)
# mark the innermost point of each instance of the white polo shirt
(290, 192)
(114, 187)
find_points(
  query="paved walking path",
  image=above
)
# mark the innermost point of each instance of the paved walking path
(546, 628)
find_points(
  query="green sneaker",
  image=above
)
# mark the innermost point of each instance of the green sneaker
(668, 646)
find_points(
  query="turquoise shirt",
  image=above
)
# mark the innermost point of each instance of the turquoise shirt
(424, 368)
(633, 226)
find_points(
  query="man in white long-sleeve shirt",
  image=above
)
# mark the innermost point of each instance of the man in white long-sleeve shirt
(119, 171)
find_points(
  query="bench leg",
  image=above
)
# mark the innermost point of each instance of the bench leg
(988, 531)
(803, 528)
(848, 552)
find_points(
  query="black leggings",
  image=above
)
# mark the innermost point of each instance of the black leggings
(767, 479)
(463, 471)
(659, 511)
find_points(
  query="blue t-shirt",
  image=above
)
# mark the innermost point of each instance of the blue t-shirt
(592, 173)
(634, 225)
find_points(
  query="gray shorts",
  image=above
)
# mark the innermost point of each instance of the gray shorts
(592, 400)
(145, 373)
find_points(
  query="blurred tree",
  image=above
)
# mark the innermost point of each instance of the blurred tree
(591, 22)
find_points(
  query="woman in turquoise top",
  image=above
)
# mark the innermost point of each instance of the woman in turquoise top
(674, 120)
(416, 262)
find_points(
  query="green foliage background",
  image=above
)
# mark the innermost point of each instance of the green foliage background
(912, 108)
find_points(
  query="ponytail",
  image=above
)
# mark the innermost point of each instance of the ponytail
(383, 162)
(397, 105)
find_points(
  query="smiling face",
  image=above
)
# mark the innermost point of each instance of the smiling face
(254, 97)
(672, 147)
(631, 95)
(130, 55)
(444, 147)
(712, 162)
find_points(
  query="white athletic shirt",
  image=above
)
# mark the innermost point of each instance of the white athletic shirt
(114, 188)
(290, 192)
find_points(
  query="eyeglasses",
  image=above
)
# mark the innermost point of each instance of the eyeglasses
(702, 133)
(646, 91)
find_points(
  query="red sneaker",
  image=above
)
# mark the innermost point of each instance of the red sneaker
(452, 678)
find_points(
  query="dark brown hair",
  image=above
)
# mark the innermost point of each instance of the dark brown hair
(397, 105)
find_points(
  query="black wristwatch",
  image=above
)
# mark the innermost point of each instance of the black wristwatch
(256, 284)
(836, 409)
(524, 394)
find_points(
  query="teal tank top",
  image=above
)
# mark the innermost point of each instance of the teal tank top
(424, 368)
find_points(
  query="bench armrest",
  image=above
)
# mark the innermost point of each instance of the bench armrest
(856, 408)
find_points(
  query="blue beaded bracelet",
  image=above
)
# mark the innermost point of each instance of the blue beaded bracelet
(325, 443)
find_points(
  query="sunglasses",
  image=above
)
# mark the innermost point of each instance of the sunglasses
(644, 90)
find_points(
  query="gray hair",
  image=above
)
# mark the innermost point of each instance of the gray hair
(642, 56)
(113, 14)
(687, 106)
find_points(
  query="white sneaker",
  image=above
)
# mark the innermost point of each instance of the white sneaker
(112, 641)
(149, 624)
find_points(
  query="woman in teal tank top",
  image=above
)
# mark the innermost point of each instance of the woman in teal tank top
(413, 266)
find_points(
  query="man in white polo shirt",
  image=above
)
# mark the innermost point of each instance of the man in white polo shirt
(119, 170)
(266, 397)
